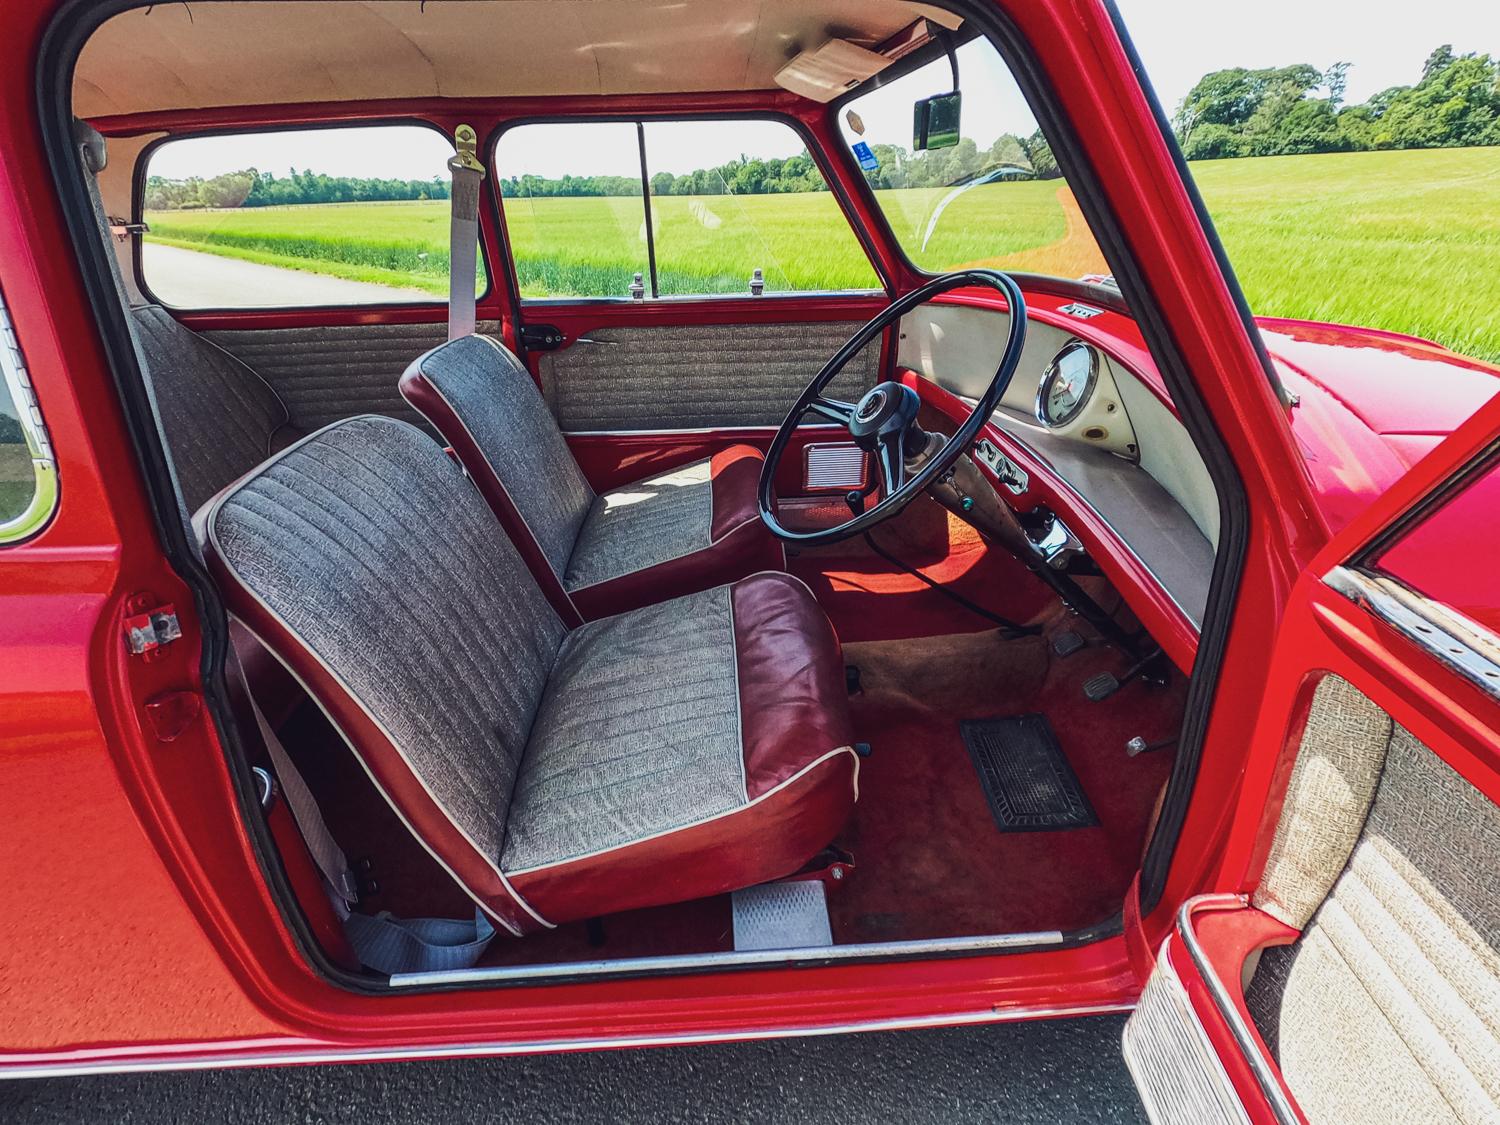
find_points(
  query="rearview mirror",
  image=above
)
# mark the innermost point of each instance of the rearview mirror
(935, 122)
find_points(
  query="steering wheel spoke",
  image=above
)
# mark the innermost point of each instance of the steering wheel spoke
(832, 409)
(890, 454)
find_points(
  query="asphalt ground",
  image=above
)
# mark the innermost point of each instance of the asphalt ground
(1050, 1071)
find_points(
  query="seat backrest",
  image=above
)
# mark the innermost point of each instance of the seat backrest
(483, 401)
(220, 419)
(1387, 1007)
(362, 559)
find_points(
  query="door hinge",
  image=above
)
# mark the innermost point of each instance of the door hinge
(541, 337)
(148, 627)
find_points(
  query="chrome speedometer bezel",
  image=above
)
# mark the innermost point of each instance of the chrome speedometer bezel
(1051, 372)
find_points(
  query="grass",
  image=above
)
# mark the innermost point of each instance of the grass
(1407, 241)
(17, 480)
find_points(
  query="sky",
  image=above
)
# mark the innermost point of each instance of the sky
(1385, 41)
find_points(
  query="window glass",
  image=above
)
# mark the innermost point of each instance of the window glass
(572, 195)
(1352, 169)
(28, 476)
(996, 198)
(303, 217)
(729, 198)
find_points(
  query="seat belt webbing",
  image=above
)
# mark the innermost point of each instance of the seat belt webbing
(463, 232)
(382, 942)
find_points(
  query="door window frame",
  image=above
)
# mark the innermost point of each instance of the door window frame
(820, 158)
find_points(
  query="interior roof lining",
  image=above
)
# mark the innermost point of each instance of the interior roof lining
(215, 54)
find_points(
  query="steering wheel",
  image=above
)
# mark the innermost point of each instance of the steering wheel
(884, 421)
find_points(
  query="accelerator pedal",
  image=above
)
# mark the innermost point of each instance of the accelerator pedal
(782, 916)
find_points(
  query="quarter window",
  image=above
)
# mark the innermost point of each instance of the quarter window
(306, 217)
(28, 473)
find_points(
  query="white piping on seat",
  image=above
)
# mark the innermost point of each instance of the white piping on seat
(210, 523)
(775, 789)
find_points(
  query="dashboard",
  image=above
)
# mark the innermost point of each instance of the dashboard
(1077, 431)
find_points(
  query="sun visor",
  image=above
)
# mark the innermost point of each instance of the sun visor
(833, 69)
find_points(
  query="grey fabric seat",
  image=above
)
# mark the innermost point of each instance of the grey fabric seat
(689, 528)
(681, 750)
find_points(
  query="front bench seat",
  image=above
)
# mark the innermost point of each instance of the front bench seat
(689, 529)
(679, 751)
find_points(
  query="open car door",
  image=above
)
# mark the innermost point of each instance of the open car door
(1350, 970)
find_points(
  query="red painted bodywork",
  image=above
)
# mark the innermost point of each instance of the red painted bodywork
(137, 925)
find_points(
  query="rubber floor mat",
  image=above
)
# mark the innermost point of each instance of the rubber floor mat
(1029, 784)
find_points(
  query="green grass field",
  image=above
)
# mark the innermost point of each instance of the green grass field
(1408, 241)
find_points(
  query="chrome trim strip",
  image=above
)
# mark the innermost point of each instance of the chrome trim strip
(1244, 1038)
(763, 958)
(17, 382)
(211, 1061)
(1448, 636)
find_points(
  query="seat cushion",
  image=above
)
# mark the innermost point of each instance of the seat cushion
(684, 749)
(681, 531)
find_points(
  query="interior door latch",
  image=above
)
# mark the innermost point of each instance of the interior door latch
(541, 337)
(149, 627)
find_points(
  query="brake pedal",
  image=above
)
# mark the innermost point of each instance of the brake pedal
(1067, 642)
(1100, 686)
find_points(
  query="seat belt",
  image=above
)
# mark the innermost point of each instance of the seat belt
(463, 231)
(381, 941)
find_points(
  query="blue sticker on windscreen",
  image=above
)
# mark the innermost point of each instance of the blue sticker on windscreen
(865, 157)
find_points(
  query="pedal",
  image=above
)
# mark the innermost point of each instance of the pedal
(1067, 642)
(1100, 686)
(851, 679)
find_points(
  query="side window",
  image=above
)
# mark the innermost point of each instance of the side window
(733, 198)
(305, 217)
(718, 208)
(572, 198)
(28, 474)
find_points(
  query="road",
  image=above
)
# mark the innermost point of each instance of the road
(188, 279)
(1055, 1071)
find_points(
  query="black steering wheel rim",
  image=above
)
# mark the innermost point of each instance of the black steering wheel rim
(887, 447)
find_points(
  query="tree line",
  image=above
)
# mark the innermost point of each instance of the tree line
(1229, 113)
(1299, 109)
(253, 188)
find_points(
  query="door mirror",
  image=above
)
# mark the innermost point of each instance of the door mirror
(935, 122)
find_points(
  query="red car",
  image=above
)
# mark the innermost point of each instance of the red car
(757, 599)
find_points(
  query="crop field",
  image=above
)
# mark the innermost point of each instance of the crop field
(1408, 241)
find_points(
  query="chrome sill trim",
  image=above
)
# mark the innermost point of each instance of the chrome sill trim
(212, 1061)
(1244, 1038)
(731, 959)
(1449, 637)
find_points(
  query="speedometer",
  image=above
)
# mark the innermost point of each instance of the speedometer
(1067, 384)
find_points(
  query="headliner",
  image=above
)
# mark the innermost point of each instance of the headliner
(207, 54)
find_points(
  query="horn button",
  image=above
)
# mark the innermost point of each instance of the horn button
(885, 409)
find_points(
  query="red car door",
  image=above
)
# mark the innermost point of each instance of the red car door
(1350, 969)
